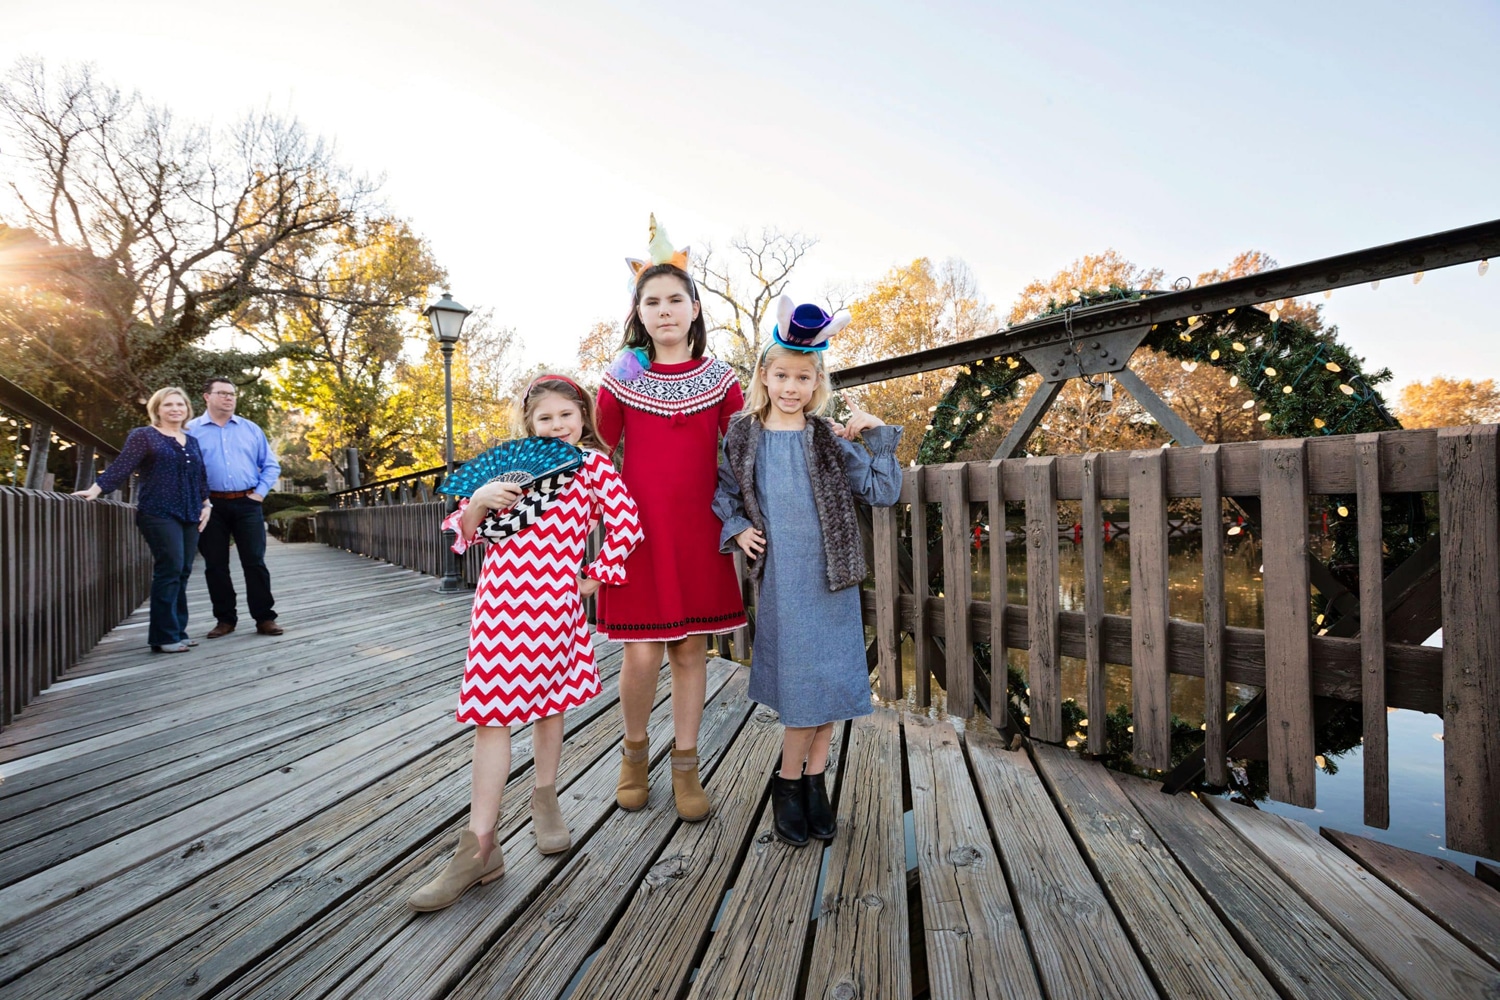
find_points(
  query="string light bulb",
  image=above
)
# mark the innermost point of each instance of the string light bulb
(1333, 366)
(1484, 267)
(1375, 285)
(1416, 279)
(1319, 423)
(1270, 373)
(1328, 293)
(1213, 355)
(1263, 417)
(1346, 389)
(1275, 315)
(1234, 380)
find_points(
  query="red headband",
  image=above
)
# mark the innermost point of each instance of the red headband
(549, 377)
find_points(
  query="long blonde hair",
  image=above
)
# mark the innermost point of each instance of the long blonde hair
(566, 388)
(153, 405)
(759, 402)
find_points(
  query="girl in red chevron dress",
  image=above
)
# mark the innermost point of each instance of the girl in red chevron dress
(668, 405)
(530, 655)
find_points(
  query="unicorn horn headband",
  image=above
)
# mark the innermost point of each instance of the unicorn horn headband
(660, 252)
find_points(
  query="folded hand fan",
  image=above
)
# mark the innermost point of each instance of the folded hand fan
(523, 461)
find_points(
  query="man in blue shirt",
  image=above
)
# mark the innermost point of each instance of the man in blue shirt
(241, 471)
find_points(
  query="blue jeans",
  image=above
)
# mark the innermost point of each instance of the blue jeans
(172, 545)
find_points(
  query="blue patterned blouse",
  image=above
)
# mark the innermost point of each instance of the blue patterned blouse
(173, 482)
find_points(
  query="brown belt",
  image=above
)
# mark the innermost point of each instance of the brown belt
(232, 495)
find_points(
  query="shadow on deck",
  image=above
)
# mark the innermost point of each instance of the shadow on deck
(247, 821)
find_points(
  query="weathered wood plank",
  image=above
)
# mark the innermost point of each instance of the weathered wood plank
(674, 906)
(1487, 873)
(1150, 677)
(887, 601)
(958, 645)
(1093, 601)
(1214, 750)
(999, 584)
(1079, 947)
(1044, 660)
(1190, 953)
(860, 950)
(1289, 722)
(1394, 936)
(763, 930)
(920, 577)
(975, 945)
(1297, 949)
(1375, 751)
(1445, 892)
(1469, 513)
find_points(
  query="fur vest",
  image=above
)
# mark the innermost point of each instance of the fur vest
(842, 546)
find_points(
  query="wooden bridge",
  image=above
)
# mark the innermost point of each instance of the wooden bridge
(248, 819)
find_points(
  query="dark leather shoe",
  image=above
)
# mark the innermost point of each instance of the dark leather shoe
(790, 825)
(220, 630)
(269, 627)
(821, 822)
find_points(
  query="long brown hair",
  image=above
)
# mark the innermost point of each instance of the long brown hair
(635, 330)
(567, 389)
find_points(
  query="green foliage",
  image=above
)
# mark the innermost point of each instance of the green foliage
(275, 503)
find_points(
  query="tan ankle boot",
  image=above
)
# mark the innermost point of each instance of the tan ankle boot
(547, 821)
(463, 873)
(635, 767)
(692, 800)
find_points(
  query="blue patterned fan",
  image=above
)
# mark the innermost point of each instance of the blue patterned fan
(523, 462)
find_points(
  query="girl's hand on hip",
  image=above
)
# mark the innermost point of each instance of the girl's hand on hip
(752, 542)
(587, 587)
(497, 496)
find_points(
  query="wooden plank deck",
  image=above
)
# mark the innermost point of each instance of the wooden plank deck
(247, 820)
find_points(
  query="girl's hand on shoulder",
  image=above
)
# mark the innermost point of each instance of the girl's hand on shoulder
(859, 422)
(497, 496)
(752, 542)
(587, 587)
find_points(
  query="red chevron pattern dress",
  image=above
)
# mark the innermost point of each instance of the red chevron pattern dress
(530, 654)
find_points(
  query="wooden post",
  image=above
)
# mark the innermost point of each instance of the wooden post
(1469, 512)
(84, 477)
(888, 602)
(1376, 753)
(36, 462)
(1150, 682)
(999, 583)
(919, 588)
(1043, 661)
(1289, 722)
(1093, 602)
(1210, 489)
(958, 647)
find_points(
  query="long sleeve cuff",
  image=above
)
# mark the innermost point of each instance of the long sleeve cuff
(733, 526)
(451, 523)
(883, 440)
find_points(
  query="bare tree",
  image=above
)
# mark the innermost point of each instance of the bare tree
(746, 282)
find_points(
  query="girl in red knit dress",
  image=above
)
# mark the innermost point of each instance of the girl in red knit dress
(530, 656)
(670, 405)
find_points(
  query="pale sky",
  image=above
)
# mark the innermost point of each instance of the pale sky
(529, 141)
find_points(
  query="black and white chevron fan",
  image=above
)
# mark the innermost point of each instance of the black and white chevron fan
(539, 497)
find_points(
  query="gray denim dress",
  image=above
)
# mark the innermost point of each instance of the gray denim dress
(809, 658)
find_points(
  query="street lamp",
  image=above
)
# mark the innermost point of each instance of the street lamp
(447, 319)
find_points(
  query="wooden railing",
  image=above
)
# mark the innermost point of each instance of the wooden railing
(69, 572)
(1460, 680)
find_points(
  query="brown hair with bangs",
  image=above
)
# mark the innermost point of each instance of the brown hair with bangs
(526, 402)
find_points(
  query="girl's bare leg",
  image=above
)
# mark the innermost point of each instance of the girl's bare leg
(638, 674)
(817, 754)
(795, 744)
(689, 660)
(546, 743)
(491, 769)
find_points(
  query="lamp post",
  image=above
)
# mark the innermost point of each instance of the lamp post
(447, 319)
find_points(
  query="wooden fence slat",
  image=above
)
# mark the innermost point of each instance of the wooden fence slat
(1469, 513)
(920, 640)
(958, 646)
(1093, 602)
(1044, 660)
(1289, 725)
(1375, 753)
(999, 584)
(1216, 771)
(1149, 677)
(887, 600)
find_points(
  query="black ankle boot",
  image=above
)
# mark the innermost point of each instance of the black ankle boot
(786, 803)
(820, 819)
